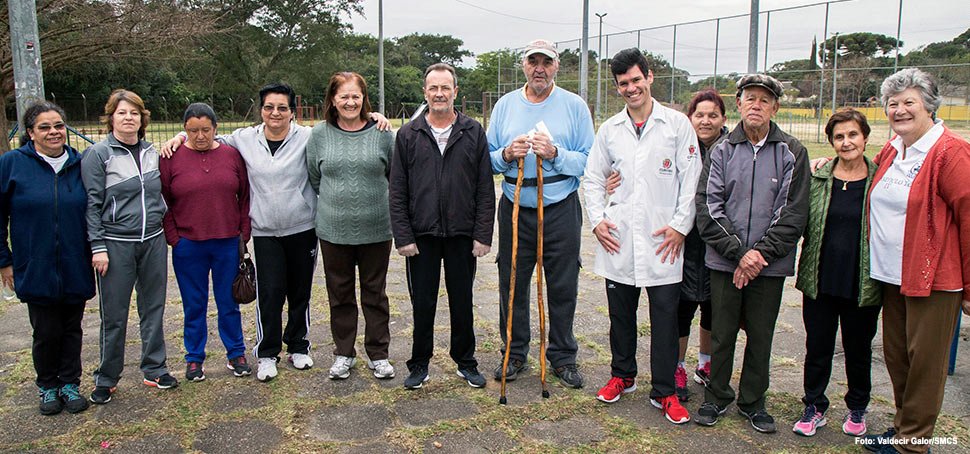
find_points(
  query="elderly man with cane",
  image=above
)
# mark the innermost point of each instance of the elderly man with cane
(540, 120)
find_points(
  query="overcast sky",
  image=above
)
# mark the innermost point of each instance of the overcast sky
(486, 25)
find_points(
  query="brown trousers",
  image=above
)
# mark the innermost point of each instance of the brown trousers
(340, 265)
(916, 335)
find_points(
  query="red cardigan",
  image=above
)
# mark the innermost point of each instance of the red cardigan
(936, 239)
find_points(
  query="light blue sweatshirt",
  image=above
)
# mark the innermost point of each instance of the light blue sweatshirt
(567, 117)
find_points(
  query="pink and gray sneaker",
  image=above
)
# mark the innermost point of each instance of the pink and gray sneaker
(811, 420)
(855, 423)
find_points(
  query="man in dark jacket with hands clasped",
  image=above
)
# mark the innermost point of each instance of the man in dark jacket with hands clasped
(752, 205)
(442, 202)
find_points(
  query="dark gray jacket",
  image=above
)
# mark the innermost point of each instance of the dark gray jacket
(747, 200)
(124, 201)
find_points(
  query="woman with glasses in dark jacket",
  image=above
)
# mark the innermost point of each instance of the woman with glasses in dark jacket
(48, 260)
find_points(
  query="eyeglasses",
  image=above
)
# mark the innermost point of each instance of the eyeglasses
(47, 127)
(281, 109)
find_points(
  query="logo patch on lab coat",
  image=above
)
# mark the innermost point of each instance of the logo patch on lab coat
(666, 168)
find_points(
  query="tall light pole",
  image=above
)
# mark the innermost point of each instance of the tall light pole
(584, 55)
(599, 60)
(380, 54)
(753, 39)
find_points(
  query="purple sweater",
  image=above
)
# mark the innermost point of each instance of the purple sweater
(207, 194)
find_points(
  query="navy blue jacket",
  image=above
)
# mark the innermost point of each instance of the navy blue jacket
(51, 257)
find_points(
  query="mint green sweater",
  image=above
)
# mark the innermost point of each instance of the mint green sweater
(349, 172)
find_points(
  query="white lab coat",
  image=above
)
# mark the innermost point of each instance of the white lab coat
(660, 170)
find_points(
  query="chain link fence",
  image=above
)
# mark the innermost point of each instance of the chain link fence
(690, 56)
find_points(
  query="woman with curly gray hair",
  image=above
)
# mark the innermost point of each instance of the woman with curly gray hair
(921, 180)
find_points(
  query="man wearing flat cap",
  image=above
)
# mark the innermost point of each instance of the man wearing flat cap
(543, 120)
(752, 205)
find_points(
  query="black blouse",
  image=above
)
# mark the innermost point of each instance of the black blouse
(839, 260)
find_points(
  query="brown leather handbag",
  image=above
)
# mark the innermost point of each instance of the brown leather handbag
(244, 285)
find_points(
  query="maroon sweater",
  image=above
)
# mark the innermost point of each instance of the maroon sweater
(207, 194)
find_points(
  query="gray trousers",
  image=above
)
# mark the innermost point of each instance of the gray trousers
(563, 222)
(142, 266)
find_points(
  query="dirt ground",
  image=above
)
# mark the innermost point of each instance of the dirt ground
(304, 411)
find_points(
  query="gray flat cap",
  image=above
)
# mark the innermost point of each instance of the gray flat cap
(760, 80)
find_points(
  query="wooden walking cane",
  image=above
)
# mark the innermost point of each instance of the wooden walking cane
(515, 249)
(542, 310)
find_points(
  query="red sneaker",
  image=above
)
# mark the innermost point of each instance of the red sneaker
(672, 409)
(615, 388)
(680, 383)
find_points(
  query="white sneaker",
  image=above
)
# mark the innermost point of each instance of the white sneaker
(382, 368)
(266, 370)
(341, 367)
(301, 361)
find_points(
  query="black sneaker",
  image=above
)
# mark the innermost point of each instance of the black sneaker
(164, 381)
(760, 420)
(239, 366)
(50, 401)
(569, 376)
(102, 394)
(875, 442)
(709, 414)
(194, 371)
(474, 378)
(74, 402)
(515, 367)
(417, 377)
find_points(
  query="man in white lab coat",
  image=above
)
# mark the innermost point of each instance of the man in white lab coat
(641, 226)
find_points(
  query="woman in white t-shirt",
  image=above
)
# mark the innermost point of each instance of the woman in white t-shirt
(921, 185)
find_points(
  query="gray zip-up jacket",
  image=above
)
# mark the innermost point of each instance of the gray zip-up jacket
(281, 200)
(747, 200)
(124, 202)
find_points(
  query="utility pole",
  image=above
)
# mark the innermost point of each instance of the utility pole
(599, 64)
(28, 72)
(380, 55)
(753, 39)
(584, 55)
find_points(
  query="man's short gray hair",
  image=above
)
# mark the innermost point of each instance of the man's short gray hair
(441, 67)
(913, 78)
